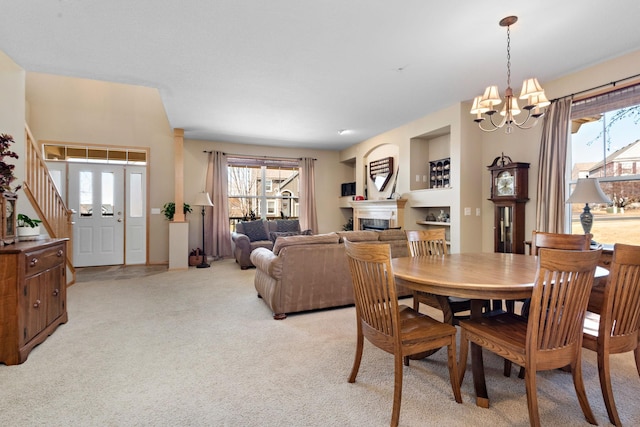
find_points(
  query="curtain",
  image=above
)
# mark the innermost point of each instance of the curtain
(550, 206)
(308, 215)
(217, 221)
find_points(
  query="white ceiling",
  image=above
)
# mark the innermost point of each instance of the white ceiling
(282, 72)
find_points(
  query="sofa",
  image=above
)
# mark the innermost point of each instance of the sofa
(250, 235)
(312, 272)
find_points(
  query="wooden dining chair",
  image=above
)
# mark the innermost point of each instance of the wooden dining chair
(394, 328)
(427, 243)
(552, 335)
(615, 329)
(539, 239)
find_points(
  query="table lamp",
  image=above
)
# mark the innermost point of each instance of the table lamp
(203, 199)
(587, 191)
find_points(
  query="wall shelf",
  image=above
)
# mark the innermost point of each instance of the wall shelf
(443, 224)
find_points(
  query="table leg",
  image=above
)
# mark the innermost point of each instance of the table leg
(477, 365)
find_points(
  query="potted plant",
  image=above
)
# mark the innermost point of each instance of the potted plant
(6, 169)
(28, 227)
(169, 210)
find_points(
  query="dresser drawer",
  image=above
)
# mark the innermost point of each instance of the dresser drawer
(43, 259)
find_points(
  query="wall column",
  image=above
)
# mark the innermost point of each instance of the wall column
(178, 228)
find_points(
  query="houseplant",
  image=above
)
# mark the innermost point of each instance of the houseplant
(28, 227)
(169, 210)
(6, 169)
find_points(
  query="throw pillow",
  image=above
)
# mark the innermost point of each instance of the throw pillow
(285, 225)
(275, 234)
(255, 230)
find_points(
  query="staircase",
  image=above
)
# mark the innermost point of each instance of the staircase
(47, 202)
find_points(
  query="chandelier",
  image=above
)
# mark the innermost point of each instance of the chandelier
(484, 106)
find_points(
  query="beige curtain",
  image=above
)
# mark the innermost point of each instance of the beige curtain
(308, 215)
(217, 230)
(551, 198)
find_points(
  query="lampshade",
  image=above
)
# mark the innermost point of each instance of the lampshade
(515, 110)
(588, 191)
(203, 199)
(476, 107)
(491, 97)
(530, 87)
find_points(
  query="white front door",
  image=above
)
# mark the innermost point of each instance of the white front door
(96, 194)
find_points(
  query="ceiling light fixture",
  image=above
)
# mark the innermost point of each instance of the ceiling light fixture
(531, 91)
(342, 131)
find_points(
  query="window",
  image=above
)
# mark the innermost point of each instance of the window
(605, 144)
(266, 188)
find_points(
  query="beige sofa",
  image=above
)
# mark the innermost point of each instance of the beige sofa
(311, 272)
(250, 235)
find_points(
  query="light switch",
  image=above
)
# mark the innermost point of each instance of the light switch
(467, 211)
(155, 211)
(477, 211)
(417, 178)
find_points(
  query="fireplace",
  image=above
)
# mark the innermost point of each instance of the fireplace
(378, 214)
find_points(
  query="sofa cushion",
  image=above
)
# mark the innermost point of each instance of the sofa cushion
(358, 236)
(283, 242)
(255, 230)
(275, 234)
(287, 225)
(391, 234)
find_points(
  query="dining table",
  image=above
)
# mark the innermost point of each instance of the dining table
(477, 276)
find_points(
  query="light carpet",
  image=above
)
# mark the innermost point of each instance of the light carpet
(199, 348)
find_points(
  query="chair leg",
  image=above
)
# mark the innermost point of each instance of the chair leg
(576, 371)
(416, 302)
(605, 384)
(397, 390)
(358, 357)
(462, 356)
(453, 370)
(506, 371)
(532, 397)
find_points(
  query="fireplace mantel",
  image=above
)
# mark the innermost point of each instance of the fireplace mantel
(391, 210)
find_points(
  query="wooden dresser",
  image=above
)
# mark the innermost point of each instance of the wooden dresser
(33, 295)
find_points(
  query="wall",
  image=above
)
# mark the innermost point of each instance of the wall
(523, 145)
(67, 109)
(330, 174)
(12, 115)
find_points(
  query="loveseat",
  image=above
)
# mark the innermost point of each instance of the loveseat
(311, 272)
(250, 235)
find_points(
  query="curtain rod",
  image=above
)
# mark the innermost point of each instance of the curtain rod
(613, 83)
(248, 156)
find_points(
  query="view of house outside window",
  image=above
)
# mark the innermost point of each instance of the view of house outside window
(262, 192)
(607, 146)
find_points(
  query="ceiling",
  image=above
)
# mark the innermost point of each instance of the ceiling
(294, 72)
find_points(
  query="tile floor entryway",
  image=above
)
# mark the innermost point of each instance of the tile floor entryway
(117, 272)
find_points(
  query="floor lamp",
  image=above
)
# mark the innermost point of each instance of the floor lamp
(587, 191)
(203, 199)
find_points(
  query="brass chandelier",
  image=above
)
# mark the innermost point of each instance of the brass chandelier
(484, 106)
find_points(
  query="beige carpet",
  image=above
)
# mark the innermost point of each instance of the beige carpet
(198, 348)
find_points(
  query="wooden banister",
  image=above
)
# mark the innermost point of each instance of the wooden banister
(46, 200)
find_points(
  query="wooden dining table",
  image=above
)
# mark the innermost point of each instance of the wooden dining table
(477, 276)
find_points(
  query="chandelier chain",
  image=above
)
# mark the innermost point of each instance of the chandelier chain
(509, 56)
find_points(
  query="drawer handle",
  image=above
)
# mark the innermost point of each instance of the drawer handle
(33, 262)
(59, 253)
(36, 304)
(56, 292)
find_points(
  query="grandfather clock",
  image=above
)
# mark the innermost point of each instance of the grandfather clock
(509, 193)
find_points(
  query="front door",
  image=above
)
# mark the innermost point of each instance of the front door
(96, 194)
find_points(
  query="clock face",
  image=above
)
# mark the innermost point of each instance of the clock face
(505, 185)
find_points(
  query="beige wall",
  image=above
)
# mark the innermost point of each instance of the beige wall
(12, 115)
(329, 175)
(477, 150)
(85, 111)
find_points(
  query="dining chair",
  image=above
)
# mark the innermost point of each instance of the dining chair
(615, 329)
(394, 328)
(433, 242)
(551, 337)
(539, 239)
